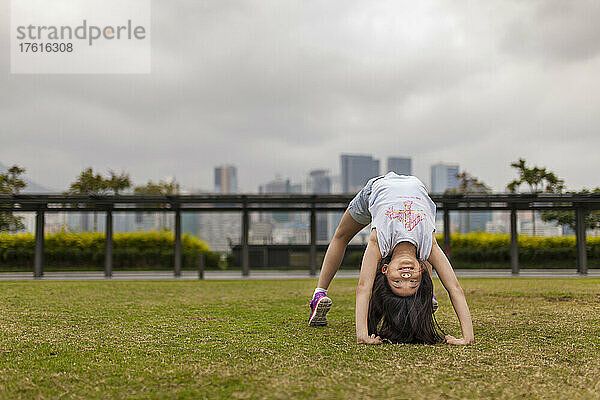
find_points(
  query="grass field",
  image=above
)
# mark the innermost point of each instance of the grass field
(248, 339)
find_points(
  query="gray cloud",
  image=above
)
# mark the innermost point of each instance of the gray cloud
(557, 31)
(288, 86)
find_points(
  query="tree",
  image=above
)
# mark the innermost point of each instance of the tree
(91, 183)
(468, 184)
(567, 218)
(11, 183)
(170, 186)
(167, 187)
(539, 180)
(118, 182)
(88, 183)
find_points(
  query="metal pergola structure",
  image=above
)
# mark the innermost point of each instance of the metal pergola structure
(247, 203)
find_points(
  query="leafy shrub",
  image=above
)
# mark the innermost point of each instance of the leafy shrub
(139, 250)
(154, 250)
(488, 249)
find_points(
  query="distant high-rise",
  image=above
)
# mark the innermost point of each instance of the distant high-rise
(279, 186)
(220, 230)
(276, 186)
(443, 177)
(474, 221)
(356, 171)
(320, 183)
(400, 165)
(226, 179)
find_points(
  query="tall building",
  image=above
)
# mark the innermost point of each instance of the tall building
(226, 179)
(221, 230)
(276, 186)
(189, 223)
(400, 165)
(279, 186)
(320, 183)
(356, 171)
(443, 177)
(474, 221)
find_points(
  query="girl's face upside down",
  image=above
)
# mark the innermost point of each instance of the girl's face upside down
(403, 275)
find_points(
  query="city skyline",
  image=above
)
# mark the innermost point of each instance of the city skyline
(226, 179)
(228, 174)
(220, 230)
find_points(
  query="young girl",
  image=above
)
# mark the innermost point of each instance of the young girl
(394, 298)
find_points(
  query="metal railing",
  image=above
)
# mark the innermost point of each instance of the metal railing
(247, 203)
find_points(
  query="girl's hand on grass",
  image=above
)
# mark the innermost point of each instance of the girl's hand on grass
(370, 340)
(449, 339)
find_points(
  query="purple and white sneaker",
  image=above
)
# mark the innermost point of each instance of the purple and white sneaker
(319, 306)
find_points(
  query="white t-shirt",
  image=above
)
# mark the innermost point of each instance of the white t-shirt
(402, 211)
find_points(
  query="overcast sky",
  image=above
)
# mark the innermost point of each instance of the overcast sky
(287, 86)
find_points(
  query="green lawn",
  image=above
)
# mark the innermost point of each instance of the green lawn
(249, 339)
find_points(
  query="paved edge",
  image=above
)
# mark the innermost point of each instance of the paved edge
(275, 275)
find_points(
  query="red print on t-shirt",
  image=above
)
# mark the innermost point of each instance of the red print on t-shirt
(408, 216)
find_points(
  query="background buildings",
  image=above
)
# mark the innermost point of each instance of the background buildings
(443, 177)
(356, 170)
(400, 165)
(219, 230)
(222, 230)
(226, 179)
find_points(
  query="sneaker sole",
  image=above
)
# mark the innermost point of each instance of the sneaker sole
(319, 316)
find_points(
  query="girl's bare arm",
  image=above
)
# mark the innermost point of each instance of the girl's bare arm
(368, 270)
(442, 266)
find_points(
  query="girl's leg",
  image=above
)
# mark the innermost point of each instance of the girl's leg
(346, 230)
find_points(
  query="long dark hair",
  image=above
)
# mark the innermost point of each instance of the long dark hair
(403, 319)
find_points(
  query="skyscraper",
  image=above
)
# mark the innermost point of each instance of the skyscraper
(276, 186)
(279, 186)
(220, 230)
(356, 171)
(285, 227)
(226, 179)
(320, 183)
(474, 221)
(443, 177)
(400, 165)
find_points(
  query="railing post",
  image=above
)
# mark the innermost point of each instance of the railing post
(108, 258)
(265, 256)
(177, 271)
(38, 265)
(446, 230)
(245, 228)
(580, 240)
(514, 242)
(201, 265)
(313, 239)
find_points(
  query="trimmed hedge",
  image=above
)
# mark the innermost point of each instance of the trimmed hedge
(485, 250)
(489, 240)
(73, 251)
(154, 251)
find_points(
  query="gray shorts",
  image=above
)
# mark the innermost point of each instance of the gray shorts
(359, 205)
